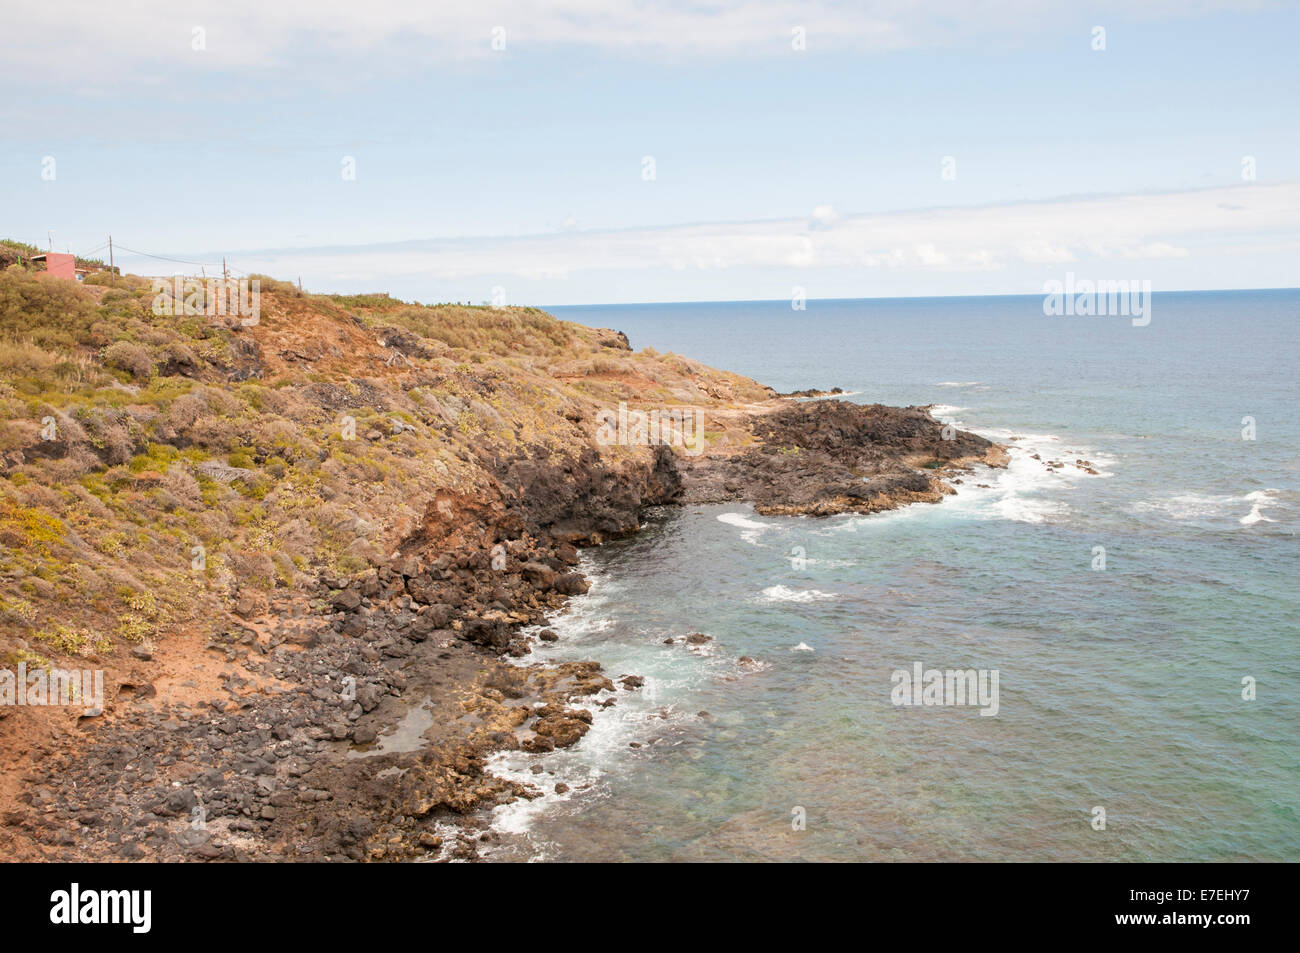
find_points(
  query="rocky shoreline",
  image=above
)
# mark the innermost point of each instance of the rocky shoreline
(826, 457)
(355, 723)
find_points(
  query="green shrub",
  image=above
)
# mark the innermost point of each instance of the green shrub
(50, 312)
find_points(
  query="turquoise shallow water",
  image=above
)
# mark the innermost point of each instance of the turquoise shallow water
(1118, 688)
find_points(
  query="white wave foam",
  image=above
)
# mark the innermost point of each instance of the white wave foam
(1259, 498)
(1255, 516)
(750, 528)
(786, 594)
(741, 520)
(642, 716)
(802, 647)
(518, 816)
(1030, 510)
(1185, 506)
(1028, 490)
(958, 383)
(604, 750)
(1193, 506)
(945, 411)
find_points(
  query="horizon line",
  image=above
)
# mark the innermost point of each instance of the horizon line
(638, 304)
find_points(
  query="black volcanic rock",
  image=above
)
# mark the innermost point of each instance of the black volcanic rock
(829, 456)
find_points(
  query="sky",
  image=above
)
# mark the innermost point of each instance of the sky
(587, 151)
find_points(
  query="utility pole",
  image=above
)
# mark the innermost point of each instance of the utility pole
(110, 255)
(225, 272)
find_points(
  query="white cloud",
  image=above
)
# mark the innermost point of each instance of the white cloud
(824, 216)
(58, 40)
(1118, 231)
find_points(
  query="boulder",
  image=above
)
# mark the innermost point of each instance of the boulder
(571, 584)
(346, 600)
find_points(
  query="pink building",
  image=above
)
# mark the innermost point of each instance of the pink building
(60, 266)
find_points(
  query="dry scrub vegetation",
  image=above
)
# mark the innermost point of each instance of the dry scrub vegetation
(156, 471)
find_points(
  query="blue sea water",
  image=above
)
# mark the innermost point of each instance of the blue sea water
(1119, 688)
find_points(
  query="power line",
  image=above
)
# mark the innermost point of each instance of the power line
(179, 261)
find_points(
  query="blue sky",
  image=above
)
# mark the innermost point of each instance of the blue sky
(520, 169)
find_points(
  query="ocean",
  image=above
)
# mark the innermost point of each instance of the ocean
(1143, 620)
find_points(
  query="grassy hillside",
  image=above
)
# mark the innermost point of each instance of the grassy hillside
(156, 471)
